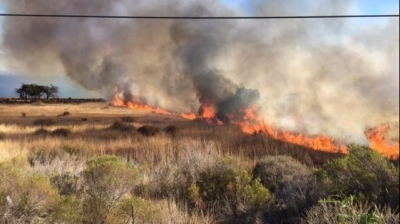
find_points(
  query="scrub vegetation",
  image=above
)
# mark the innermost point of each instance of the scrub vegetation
(125, 166)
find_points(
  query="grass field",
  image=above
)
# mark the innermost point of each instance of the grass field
(173, 159)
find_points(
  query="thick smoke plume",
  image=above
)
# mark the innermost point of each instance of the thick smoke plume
(329, 76)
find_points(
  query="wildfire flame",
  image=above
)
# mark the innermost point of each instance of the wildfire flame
(143, 107)
(378, 141)
(250, 123)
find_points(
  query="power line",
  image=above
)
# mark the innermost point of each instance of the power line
(194, 17)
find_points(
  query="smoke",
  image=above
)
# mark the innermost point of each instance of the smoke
(330, 76)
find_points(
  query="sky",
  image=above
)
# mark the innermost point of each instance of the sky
(361, 7)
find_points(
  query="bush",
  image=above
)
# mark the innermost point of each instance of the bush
(41, 132)
(293, 184)
(65, 113)
(119, 126)
(128, 119)
(2, 135)
(148, 130)
(232, 193)
(67, 210)
(347, 211)
(66, 183)
(171, 130)
(23, 114)
(84, 119)
(44, 155)
(364, 173)
(277, 171)
(141, 211)
(61, 132)
(44, 122)
(107, 179)
(24, 197)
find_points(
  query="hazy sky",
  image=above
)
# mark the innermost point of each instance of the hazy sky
(361, 7)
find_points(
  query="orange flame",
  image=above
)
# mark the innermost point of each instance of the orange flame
(378, 141)
(251, 123)
(190, 116)
(143, 107)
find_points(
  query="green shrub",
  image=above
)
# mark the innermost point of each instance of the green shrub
(107, 179)
(44, 122)
(140, 210)
(364, 173)
(67, 210)
(148, 130)
(232, 193)
(24, 197)
(61, 132)
(347, 211)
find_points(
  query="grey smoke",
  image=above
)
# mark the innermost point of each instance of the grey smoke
(330, 76)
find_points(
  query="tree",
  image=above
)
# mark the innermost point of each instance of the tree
(50, 91)
(36, 91)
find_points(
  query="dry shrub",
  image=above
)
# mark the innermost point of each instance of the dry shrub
(23, 114)
(61, 132)
(119, 126)
(84, 119)
(138, 210)
(65, 113)
(277, 171)
(128, 119)
(41, 132)
(2, 135)
(171, 130)
(67, 183)
(293, 184)
(148, 130)
(44, 122)
(172, 178)
(346, 211)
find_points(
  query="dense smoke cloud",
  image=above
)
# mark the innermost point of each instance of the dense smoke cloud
(320, 76)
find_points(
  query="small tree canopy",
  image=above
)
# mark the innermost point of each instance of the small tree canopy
(35, 91)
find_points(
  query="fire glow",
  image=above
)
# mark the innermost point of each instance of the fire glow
(251, 123)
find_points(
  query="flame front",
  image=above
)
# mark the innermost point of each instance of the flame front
(252, 122)
(378, 141)
(143, 107)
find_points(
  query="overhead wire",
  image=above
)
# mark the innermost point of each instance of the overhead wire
(196, 17)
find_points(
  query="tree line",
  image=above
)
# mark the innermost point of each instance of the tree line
(34, 91)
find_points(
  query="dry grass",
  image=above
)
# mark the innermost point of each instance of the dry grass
(163, 160)
(11, 149)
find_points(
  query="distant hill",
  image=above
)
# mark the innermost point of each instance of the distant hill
(8, 83)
